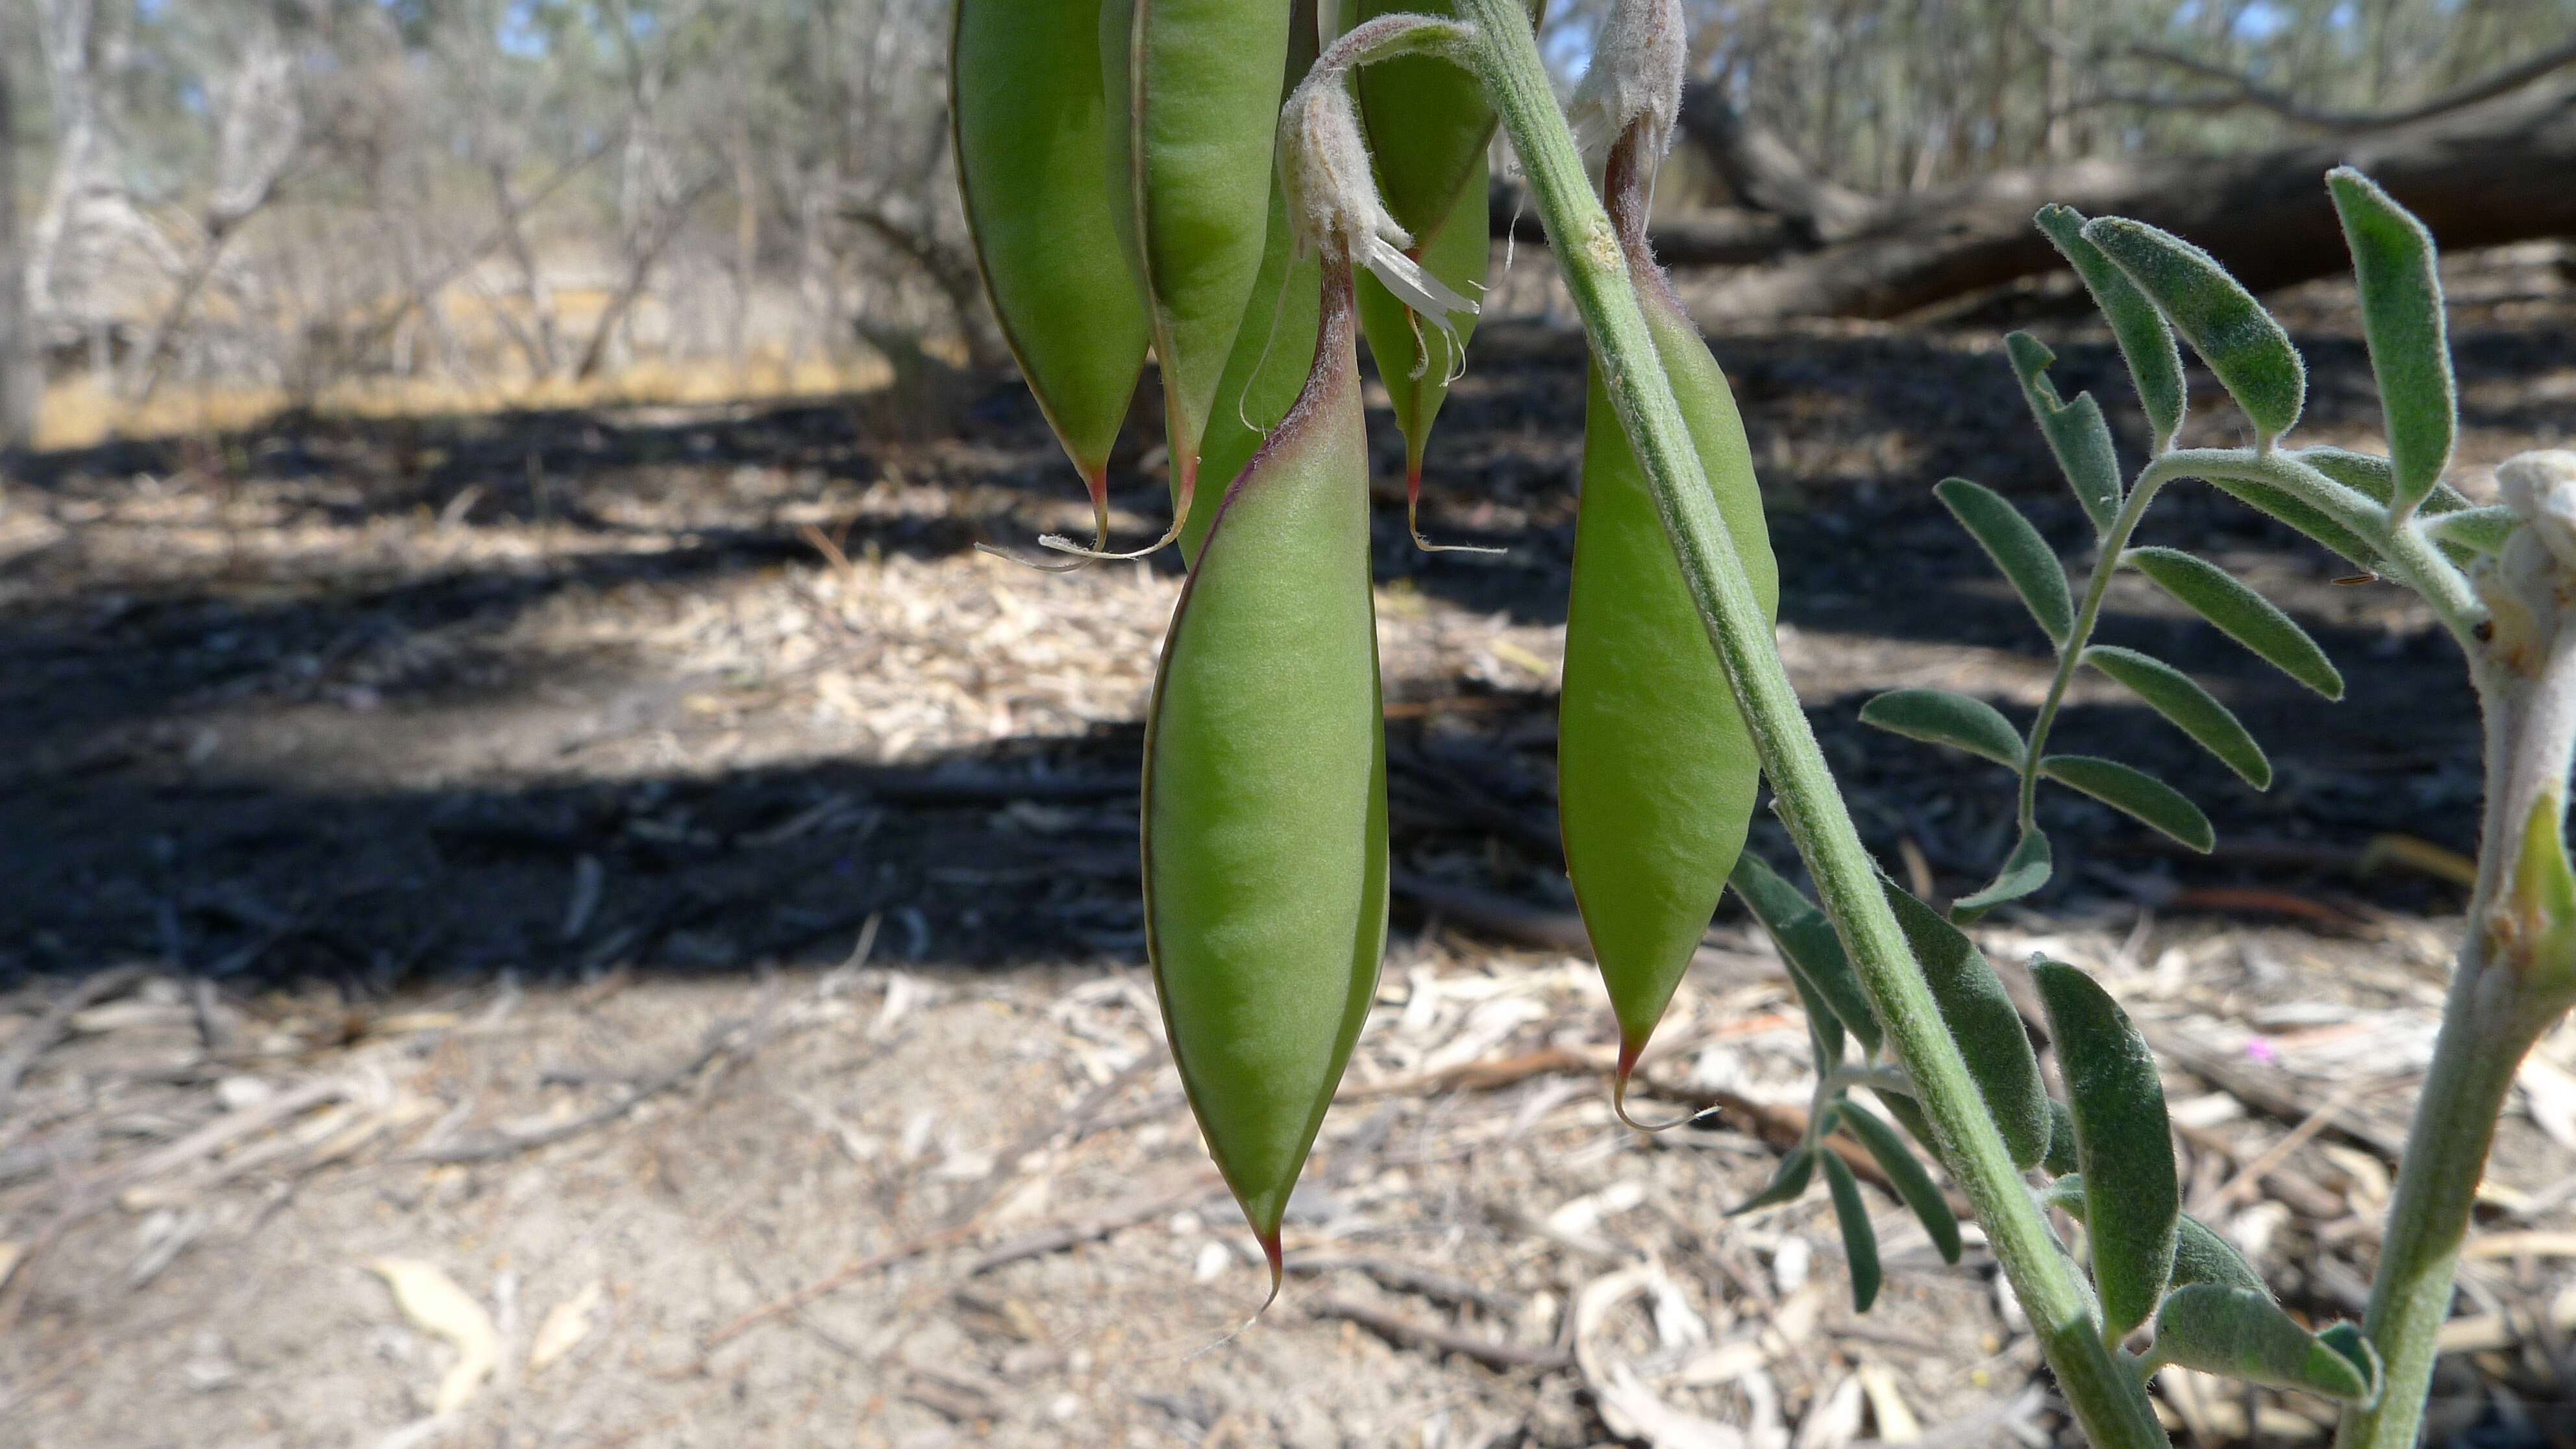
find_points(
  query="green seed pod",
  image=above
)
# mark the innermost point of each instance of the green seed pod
(1192, 139)
(1656, 770)
(1417, 362)
(1427, 125)
(1265, 792)
(1029, 123)
(1268, 366)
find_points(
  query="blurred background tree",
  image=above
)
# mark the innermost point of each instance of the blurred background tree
(527, 198)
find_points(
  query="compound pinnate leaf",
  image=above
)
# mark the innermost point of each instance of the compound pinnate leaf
(2479, 530)
(2247, 351)
(1824, 1027)
(2244, 1335)
(1937, 716)
(2136, 793)
(2200, 1254)
(1913, 1183)
(2302, 515)
(2401, 316)
(1909, 1114)
(2146, 341)
(1264, 804)
(1194, 106)
(2241, 614)
(1860, 1240)
(2075, 431)
(2123, 1144)
(1981, 1018)
(1788, 1183)
(2017, 549)
(2375, 477)
(1807, 944)
(2191, 709)
(1656, 769)
(2024, 871)
(1031, 125)
(2348, 1339)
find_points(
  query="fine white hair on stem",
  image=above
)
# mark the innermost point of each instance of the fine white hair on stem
(1635, 76)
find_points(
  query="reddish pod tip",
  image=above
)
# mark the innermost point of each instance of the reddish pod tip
(1188, 467)
(1278, 1266)
(1629, 1051)
(1097, 481)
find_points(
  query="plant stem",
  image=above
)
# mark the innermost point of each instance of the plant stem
(2108, 1402)
(2418, 564)
(2504, 995)
(2474, 1061)
(2106, 563)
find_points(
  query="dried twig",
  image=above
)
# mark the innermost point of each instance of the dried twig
(726, 1039)
(49, 1028)
(1405, 1333)
(1033, 1245)
(1404, 1277)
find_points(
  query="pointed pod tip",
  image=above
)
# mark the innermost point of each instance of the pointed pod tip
(1629, 1051)
(1270, 1250)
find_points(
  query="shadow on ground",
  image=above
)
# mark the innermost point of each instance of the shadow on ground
(1025, 849)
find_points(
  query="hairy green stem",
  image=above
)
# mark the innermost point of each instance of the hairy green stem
(2107, 562)
(2505, 994)
(2107, 1399)
(2418, 564)
(2474, 1062)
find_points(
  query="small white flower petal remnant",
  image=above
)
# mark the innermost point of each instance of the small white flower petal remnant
(1333, 200)
(1636, 74)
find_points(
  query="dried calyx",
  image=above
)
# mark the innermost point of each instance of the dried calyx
(1635, 77)
(1333, 201)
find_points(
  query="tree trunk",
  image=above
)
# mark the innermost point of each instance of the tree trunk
(950, 269)
(21, 378)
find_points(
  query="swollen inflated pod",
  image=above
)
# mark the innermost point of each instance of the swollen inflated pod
(1270, 360)
(1427, 125)
(1656, 770)
(1030, 123)
(1265, 747)
(1265, 791)
(1417, 362)
(1193, 88)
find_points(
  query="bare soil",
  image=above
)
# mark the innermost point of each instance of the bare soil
(641, 884)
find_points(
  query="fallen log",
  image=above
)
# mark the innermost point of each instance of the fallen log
(2479, 176)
